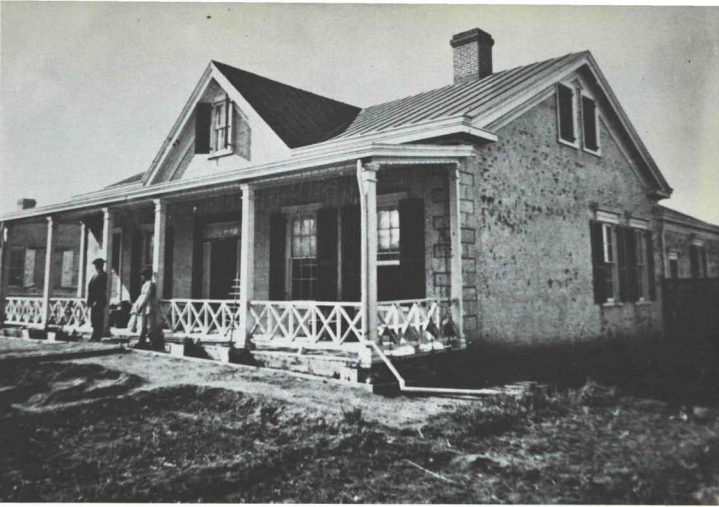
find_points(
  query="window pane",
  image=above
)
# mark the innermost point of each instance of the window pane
(384, 219)
(395, 219)
(384, 240)
(296, 227)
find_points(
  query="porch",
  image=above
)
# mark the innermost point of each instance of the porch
(333, 260)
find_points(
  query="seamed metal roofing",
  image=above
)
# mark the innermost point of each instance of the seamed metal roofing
(298, 117)
(469, 99)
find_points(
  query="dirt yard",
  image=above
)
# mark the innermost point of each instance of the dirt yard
(142, 428)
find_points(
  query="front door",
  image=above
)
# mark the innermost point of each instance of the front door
(223, 267)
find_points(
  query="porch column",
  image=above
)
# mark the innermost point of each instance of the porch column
(81, 260)
(247, 264)
(455, 233)
(48, 285)
(108, 224)
(158, 247)
(4, 267)
(368, 202)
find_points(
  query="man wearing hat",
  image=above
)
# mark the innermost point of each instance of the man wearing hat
(146, 313)
(97, 298)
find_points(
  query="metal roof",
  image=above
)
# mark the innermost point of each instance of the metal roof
(469, 99)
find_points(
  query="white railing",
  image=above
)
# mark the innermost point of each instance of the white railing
(200, 317)
(423, 318)
(70, 312)
(306, 321)
(24, 310)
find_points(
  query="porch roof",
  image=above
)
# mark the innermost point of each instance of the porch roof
(137, 193)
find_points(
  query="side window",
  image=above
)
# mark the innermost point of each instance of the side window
(608, 242)
(566, 113)
(388, 236)
(68, 262)
(641, 256)
(303, 256)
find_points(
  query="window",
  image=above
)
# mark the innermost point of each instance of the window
(610, 267)
(16, 271)
(68, 265)
(222, 124)
(673, 265)
(303, 256)
(622, 260)
(388, 234)
(565, 103)
(589, 123)
(642, 275)
(698, 260)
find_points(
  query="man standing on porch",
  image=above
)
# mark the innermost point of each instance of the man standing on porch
(96, 298)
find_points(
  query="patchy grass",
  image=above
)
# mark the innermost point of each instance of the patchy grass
(189, 443)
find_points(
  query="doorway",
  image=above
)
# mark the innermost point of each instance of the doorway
(223, 267)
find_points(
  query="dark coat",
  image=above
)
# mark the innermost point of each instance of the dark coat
(96, 290)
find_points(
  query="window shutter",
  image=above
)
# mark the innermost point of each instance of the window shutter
(411, 248)
(622, 263)
(203, 124)
(29, 274)
(327, 254)
(169, 259)
(135, 263)
(598, 268)
(351, 252)
(278, 231)
(566, 113)
(630, 244)
(589, 116)
(197, 257)
(650, 266)
(694, 260)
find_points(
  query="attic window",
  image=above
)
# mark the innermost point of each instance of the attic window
(589, 121)
(213, 127)
(565, 104)
(222, 125)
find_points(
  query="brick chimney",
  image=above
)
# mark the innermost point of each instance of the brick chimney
(472, 55)
(26, 203)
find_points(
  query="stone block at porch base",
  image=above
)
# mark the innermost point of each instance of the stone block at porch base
(348, 369)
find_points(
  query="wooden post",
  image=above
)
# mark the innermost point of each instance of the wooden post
(48, 284)
(108, 224)
(81, 260)
(247, 264)
(368, 200)
(158, 247)
(455, 233)
(4, 267)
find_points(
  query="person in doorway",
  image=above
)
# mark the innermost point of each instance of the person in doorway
(97, 299)
(146, 313)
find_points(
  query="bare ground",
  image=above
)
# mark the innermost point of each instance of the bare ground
(135, 427)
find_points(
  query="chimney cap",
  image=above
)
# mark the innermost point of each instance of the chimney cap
(26, 203)
(473, 35)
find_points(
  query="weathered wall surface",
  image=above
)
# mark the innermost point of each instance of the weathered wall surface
(526, 223)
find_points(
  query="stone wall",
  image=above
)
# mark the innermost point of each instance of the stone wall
(527, 203)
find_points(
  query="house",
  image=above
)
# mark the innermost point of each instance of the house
(515, 207)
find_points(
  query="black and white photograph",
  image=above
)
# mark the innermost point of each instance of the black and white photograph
(359, 253)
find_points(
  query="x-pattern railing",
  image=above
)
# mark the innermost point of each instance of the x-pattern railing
(200, 317)
(423, 315)
(71, 312)
(24, 310)
(312, 321)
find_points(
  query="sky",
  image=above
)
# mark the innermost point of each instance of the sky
(88, 91)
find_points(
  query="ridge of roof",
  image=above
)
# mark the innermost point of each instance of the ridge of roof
(298, 117)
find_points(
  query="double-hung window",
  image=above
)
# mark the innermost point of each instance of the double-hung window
(303, 255)
(610, 267)
(641, 258)
(222, 122)
(388, 236)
